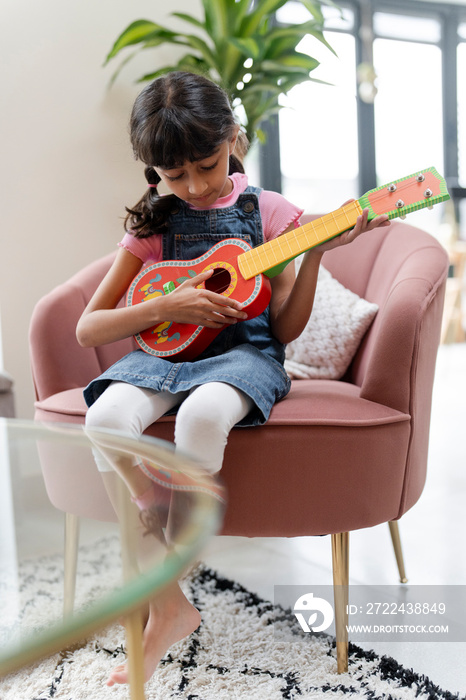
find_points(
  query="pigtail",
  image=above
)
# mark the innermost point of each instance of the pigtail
(150, 214)
(239, 154)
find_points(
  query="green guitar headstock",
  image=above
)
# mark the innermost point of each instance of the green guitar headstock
(400, 197)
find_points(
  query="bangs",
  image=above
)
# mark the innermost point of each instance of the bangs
(174, 138)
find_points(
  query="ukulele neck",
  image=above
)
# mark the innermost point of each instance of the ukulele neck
(272, 257)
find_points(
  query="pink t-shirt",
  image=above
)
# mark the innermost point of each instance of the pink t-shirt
(277, 215)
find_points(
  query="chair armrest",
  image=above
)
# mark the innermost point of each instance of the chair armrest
(398, 356)
(58, 362)
(59, 366)
(403, 270)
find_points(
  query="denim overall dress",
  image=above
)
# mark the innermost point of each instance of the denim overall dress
(245, 354)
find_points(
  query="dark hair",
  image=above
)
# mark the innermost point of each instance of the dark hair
(178, 117)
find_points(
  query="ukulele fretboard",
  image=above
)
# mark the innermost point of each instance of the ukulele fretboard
(282, 249)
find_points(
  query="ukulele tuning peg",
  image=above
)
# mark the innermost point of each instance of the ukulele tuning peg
(420, 177)
(392, 188)
(402, 217)
(430, 206)
(428, 193)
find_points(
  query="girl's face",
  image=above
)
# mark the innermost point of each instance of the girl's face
(201, 182)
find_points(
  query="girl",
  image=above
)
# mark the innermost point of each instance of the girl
(182, 127)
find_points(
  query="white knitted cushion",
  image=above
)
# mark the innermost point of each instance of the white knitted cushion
(338, 322)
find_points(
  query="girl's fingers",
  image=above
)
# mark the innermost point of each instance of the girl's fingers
(363, 223)
(224, 303)
(201, 277)
(195, 303)
(229, 308)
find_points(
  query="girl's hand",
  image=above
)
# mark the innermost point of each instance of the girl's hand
(293, 299)
(190, 303)
(362, 225)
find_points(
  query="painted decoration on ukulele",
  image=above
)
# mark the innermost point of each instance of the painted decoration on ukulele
(162, 333)
(148, 291)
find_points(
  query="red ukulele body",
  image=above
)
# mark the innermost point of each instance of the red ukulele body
(184, 341)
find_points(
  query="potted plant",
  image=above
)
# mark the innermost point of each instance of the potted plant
(238, 45)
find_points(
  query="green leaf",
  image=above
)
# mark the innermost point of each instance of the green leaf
(320, 36)
(280, 36)
(319, 81)
(296, 31)
(158, 40)
(200, 45)
(300, 60)
(137, 32)
(188, 18)
(263, 9)
(314, 8)
(156, 74)
(331, 3)
(291, 82)
(121, 66)
(220, 23)
(298, 63)
(189, 63)
(249, 47)
(261, 86)
(278, 47)
(261, 135)
(271, 111)
(269, 105)
(236, 10)
(216, 18)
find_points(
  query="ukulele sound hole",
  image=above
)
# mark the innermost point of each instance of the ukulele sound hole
(219, 282)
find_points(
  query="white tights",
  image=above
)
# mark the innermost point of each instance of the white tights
(206, 415)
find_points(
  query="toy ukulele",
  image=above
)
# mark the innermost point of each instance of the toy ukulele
(242, 272)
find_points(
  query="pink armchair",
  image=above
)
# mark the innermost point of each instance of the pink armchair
(358, 445)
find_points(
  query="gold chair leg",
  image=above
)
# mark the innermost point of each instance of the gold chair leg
(71, 561)
(134, 630)
(340, 562)
(129, 523)
(395, 533)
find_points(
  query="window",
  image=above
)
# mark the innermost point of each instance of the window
(408, 107)
(461, 87)
(461, 114)
(338, 141)
(318, 147)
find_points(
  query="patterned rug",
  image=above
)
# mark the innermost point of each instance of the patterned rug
(245, 649)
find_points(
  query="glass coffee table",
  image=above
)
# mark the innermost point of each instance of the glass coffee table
(58, 513)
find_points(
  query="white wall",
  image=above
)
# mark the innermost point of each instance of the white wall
(67, 168)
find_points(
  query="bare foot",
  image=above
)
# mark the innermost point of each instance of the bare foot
(171, 618)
